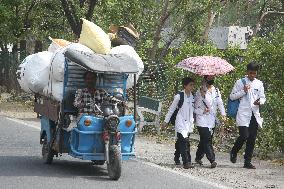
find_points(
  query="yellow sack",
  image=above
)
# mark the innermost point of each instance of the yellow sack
(94, 37)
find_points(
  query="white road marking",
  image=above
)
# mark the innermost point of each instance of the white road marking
(23, 123)
(202, 180)
(145, 163)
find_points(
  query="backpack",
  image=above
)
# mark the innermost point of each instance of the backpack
(180, 103)
(233, 105)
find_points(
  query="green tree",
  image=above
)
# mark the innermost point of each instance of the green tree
(262, 15)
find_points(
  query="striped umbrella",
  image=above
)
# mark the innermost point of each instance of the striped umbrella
(206, 65)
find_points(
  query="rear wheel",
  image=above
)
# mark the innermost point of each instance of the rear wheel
(114, 164)
(47, 153)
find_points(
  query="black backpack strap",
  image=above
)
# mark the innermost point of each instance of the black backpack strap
(181, 99)
(203, 98)
(217, 92)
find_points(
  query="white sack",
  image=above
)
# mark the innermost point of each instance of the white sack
(54, 89)
(35, 72)
(21, 76)
(58, 60)
(57, 64)
(128, 50)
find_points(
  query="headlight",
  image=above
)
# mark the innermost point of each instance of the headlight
(87, 122)
(128, 123)
(112, 123)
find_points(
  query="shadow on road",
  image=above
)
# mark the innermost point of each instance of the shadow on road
(34, 166)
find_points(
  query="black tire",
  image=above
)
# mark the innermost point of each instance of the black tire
(114, 165)
(47, 153)
(98, 162)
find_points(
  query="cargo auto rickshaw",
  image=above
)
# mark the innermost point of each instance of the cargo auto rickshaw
(105, 138)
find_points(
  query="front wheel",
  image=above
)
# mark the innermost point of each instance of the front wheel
(98, 162)
(114, 164)
(47, 153)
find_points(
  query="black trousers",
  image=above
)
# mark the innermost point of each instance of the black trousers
(205, 145)
(182, 147)
(248, 135)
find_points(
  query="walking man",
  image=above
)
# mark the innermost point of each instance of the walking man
(181, 115)
(250, 92)
(207, 101)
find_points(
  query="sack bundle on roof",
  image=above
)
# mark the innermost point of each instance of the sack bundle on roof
(43, 72)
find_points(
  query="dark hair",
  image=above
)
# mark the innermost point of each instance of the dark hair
(186, 81)
(252, 66)
(89, 72)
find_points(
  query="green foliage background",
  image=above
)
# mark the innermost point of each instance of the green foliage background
(269, 53)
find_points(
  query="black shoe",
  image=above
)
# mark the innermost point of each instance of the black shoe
(198, 161)
(177, 162)
(249, 166)
(188, 166)
(213, 165)
(233, 157)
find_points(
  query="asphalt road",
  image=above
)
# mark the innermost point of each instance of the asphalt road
(21, 167)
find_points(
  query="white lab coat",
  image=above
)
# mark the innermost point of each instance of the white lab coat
(214, 102)
(246, 107)
(184, 120)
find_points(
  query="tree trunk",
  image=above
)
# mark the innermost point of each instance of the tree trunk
(210, 20)
(91, 9)
(71, 16)
(38, 46)
(157, 35)
(174, 36)
(27, 22)
(263, 15)
(259, 20)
